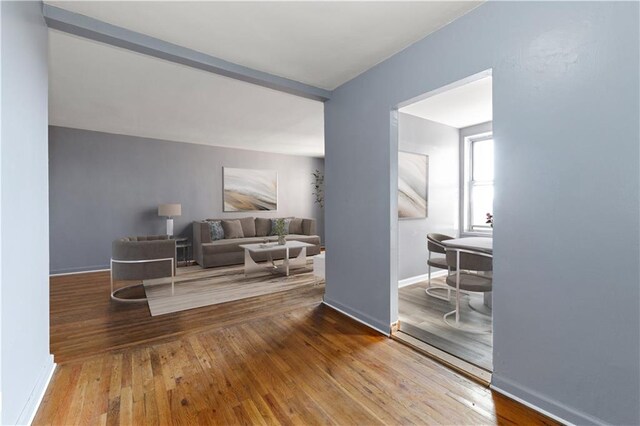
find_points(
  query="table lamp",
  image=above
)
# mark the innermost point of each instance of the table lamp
(169, 211)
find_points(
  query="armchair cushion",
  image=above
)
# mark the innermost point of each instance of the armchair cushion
(471, 282)
(438, 262)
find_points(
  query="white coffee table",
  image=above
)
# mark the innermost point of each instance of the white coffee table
(269, 248)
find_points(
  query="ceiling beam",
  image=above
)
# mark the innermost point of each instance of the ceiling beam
(84, 26)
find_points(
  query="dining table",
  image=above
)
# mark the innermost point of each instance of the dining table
(480, 244)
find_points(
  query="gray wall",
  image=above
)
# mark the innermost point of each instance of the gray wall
(440, 143)
(105, 186)
(566, 126)
(25, 360)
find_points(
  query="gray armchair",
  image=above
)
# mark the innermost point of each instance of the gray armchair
(141, 258)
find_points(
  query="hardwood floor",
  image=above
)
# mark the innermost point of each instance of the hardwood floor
(84, 321)
(421, 317)
(275, 359)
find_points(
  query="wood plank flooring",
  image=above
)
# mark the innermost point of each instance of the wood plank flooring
(281, 359)
(421, 317)
(85, 322)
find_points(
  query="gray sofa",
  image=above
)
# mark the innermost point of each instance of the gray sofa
(227, 251)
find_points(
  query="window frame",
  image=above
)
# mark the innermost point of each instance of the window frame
(466, 178)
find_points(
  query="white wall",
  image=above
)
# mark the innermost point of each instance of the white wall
(440, 143)
(26, 363)
(566, 298)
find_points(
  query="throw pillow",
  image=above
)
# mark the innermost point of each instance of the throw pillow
(232, 229)
(295, 226)
(248, 226)
(286, 226)
(215, 230)
(263, 227)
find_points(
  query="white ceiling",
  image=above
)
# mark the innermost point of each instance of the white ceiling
(462, 106)
(98, 87)
(319, 43)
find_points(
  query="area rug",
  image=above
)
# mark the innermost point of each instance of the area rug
(196, 287)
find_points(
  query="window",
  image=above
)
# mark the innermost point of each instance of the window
(478, 179)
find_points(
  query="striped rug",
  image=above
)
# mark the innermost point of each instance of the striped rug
(196, 287)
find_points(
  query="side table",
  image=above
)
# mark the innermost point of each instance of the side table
(183, 243)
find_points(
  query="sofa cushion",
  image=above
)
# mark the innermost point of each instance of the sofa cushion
(228, 246)
(248, 226)
(232, 229)
(215, 230)
(287, 221)
(309, 227)
(295, 226)
(263, 227)
(311, 239)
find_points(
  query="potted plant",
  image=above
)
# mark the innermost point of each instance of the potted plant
(318, 187)
(278, 229)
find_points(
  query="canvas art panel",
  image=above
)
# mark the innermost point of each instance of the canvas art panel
(413, 185)
(249, 189)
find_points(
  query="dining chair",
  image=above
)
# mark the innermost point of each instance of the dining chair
(466, 278)
(434, 245)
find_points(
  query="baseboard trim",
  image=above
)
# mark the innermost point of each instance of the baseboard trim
(536, 401)
(78, 271)
(420, 278)
(357, 316)
(465, 368)
(30, 409)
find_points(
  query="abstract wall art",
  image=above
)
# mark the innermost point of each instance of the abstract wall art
(249, 189)
(413, 185)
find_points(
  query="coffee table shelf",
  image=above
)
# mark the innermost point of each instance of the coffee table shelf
(269, 249)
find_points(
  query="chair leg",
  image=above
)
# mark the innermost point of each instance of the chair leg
(115, 292)
(457, 287)
(111, 275)
(461, 327)
(431, 289)
(172, 277)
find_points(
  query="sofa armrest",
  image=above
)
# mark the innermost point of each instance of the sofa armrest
(201, 235)
(309, 227)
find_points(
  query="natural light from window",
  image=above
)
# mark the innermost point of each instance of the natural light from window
(480, 184)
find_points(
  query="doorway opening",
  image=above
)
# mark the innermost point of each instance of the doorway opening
(445, 219)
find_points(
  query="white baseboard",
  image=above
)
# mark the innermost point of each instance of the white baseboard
(356, 315)
(534, 400)
(37, 394)
(420, 278)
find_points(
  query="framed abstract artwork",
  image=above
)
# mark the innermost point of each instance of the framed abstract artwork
(413, 185)
(249, 189)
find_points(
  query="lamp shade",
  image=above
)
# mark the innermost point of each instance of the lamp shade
(169, 210)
